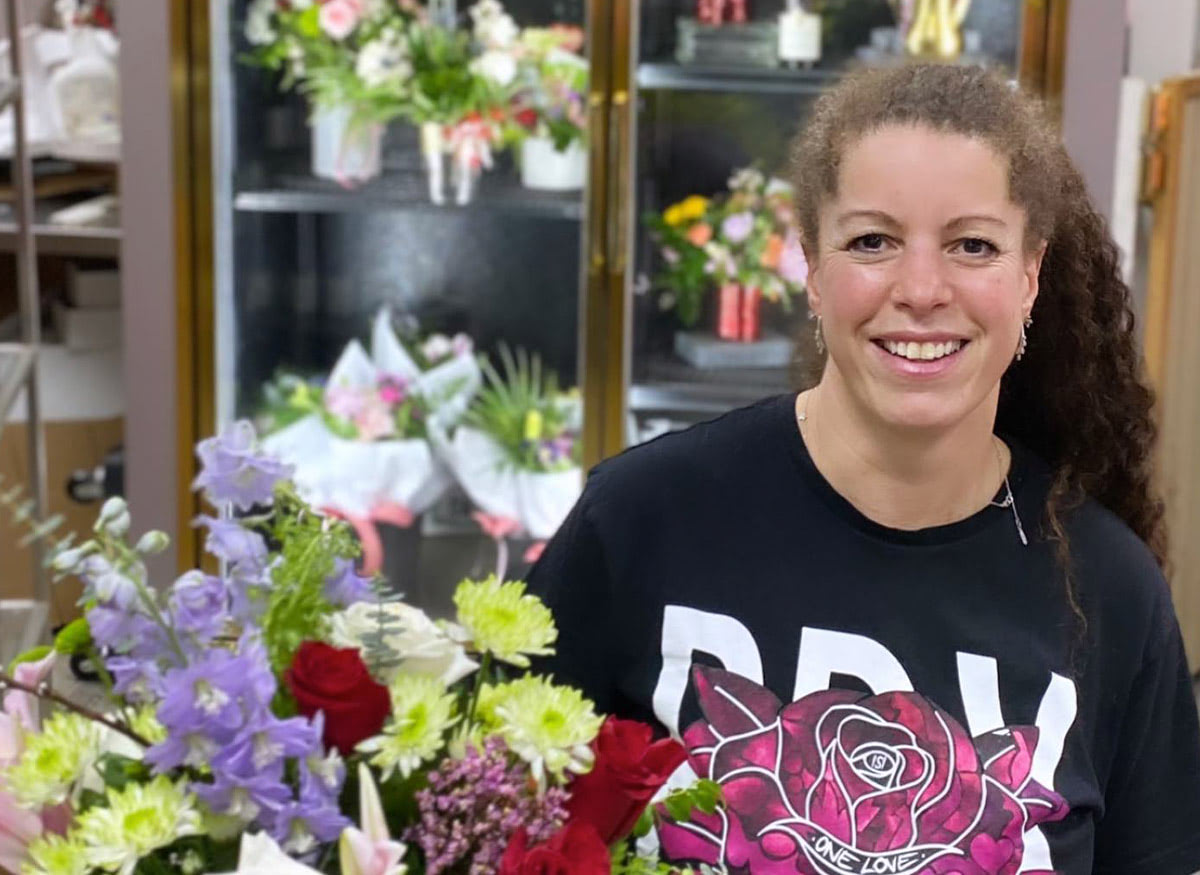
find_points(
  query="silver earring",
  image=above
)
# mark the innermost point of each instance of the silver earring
(818, 336)
(1023, 345)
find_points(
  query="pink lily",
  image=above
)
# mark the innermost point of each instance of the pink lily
(20, 826)
(370, 851)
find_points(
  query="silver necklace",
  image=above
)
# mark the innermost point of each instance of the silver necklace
(1007, 502)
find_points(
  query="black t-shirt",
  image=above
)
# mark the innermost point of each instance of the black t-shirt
(871, 699)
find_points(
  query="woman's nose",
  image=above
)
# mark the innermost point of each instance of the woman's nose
(921, 281)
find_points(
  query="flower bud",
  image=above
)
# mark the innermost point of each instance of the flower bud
(153, 542)
(68, 561)
(114, 517)
(118, 526)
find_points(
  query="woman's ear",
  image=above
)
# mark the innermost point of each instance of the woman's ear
(1033, 270)
(812, 284)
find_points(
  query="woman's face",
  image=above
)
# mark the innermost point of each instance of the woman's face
(921, 277)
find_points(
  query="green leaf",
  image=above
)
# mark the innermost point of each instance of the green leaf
(644, 824)
(308, 23)
(32, 655)
(678, 806)
(74, 638)
(118, 771)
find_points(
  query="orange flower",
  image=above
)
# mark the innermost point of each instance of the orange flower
(699, 234)
(770, 256)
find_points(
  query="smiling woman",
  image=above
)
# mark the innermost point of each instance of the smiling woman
(945, 555)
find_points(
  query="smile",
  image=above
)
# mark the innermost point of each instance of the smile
(921, 352)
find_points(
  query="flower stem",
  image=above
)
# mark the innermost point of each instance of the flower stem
(44, 692)
(480, 679)
(501, 558)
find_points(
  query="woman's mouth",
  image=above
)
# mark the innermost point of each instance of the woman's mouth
(921, 352)
(921, 359)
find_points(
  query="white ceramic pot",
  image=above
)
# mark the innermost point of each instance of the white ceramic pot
(341, 151)
(543, 167)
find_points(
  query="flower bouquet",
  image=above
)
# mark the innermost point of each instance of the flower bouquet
(359, 443)
(285, 719)
(462, 81)
(516, 453)
(549, 111)
(745, 243)
(352, 59)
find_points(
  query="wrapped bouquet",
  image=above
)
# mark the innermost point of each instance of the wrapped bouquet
(359, 442)
(285, 718)
(516, 453)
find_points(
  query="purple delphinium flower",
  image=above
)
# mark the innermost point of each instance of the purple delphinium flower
(737, 227)
(300, 826)
(473, 806)
(232, 542)
(137, 680)
(106, 584)
(199, 605)
(248, 594)
(264, 740)
(245, 796)
(233, 472)
(345, 585)
(119, 629)
(206, 695)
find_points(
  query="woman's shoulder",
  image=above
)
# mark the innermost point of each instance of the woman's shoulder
(694, 458)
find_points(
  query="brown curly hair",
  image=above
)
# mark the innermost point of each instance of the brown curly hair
(1077, 398)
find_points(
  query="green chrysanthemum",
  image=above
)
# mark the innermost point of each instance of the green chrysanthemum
(422, 712)
(52, 854)
(548, 726)
(505, 622)
(137, 820)
(54, 760)
(144, 721)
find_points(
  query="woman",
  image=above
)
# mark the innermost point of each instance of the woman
(932, 581)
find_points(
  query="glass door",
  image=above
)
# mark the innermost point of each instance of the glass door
(401, 212)
(714, 295)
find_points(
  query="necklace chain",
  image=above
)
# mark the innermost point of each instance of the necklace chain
(1009, 501)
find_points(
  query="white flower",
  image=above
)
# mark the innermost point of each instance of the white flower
(497, 65)
(261, 856)
(420, 646)
(746, 179)
(775, 185)
(384, 61)
(494, 28)
(301, 5)
(437, 347)
(259, 30)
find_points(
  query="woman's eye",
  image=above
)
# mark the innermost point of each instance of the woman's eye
(868, 243)
(977, 246)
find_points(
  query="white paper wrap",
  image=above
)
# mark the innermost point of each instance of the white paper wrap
(538, 501)
(355, 477)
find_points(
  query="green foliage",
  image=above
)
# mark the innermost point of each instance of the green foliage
(31, 655)
(296, 606)
(118, 771)
(445, 89)
(74, 638)
(23, 514)
(523, 410)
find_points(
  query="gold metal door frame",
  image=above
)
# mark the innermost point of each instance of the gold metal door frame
(191, 134)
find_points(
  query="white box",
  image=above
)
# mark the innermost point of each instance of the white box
(93, 289)
(94, 328)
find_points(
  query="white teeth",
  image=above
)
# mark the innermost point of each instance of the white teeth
(922, 351)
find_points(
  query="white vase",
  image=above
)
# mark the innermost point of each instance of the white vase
(343, 151)
(544, 167)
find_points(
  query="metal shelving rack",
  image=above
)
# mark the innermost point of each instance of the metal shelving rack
(18, 361)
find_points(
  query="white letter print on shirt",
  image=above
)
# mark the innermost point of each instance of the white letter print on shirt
(823, 653)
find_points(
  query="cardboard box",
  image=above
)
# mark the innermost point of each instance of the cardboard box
(92, 289)
(80, 330)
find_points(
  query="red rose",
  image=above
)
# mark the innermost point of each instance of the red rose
(324, 678)
(629, 770)
(576, 849)
(527, 118)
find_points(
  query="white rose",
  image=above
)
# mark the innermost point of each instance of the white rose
(383, 61)
(501, 32)
(499, 66)
(422, 646)
(259, 31)
(437, 347)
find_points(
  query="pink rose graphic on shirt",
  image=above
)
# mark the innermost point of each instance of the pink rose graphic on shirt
(841, 783)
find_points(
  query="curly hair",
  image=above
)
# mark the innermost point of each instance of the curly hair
(1078, 397)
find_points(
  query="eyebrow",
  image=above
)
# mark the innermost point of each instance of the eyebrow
(885, 219)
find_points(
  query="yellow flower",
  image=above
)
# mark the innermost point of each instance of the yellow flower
(54, 760)
(673, 215)
(548, 726)
(51, 854)
(693, 207)
(137, 820)
(422, 712)
(505, 622)
(533, 425)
